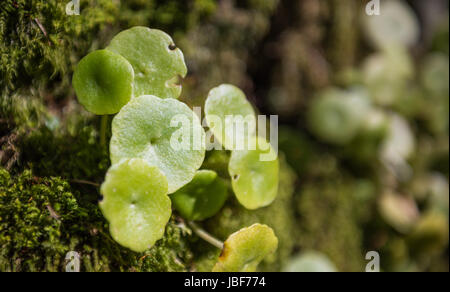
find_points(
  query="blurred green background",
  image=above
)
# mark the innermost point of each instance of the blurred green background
(363, 105)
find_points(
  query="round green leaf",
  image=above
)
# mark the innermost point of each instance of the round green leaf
(229, 115)
(148, 127)
(310, 262)
(103, 82)
(336, 116)
(245, 249)
(435, 74)
(387, 74)
(158, 64)
(202, 198)
(136, 204)
(254, 176)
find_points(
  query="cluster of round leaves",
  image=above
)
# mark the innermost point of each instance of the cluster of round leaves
(138, 78)
(138, 61)
(254, 180)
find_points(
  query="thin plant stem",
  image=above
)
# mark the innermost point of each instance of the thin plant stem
(103, 126)
(85, 182)
(205, 235)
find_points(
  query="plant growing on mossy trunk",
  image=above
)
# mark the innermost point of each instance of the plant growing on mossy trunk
(138, 77)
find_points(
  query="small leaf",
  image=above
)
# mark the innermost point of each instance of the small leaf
(399, 211)
(435, 74)
(144, 129)
(387, 74)
(202, 198)
(245, 249)
(103, 82)
(336, 116)
(136, 204)
(310, 262)
(254, 181)
(229, 115)
(158, 64)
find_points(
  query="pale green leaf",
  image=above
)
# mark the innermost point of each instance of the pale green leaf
(245, 249)
(255, 181)
(136, 204)
(230, 116)
(142, 129)
(158, 64)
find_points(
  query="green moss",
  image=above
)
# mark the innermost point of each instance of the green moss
(22, 112)
(41, 219)
(37, 38)
(51, 145)
(329, 222)
(343, 38)
(169, 15)
(18, 115)
(69, 156)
